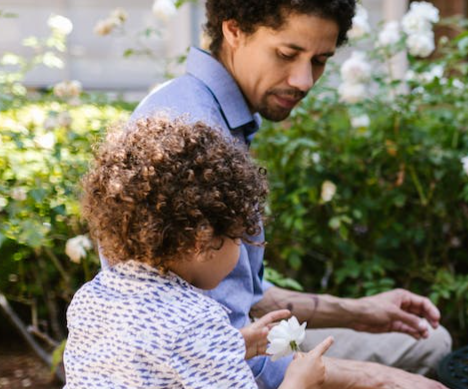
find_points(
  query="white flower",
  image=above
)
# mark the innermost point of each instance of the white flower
(18, 194)
(205, 41)
(13, 277)
(76, 247)
(285, 338)
(458, 84)
(464, 162)
(421, 45)
(164, 9)
(360, 23)
(436, 71)
(328, 191)
(352, 93)
(389, 35)
(3, 203)
(425, 10)
(412, 23)
(119, 14)
(356, 69)
(360, 121)
(68, 89)
(105, 27)
(60, 24)
(64, 119)
(46, 141)
(10, 59)
(316, 158)
(420, 18)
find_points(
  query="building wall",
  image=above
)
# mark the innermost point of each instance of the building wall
(94, 60)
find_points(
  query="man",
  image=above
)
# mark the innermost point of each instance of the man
(265, 57)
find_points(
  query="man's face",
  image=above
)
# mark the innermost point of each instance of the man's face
(276, 68)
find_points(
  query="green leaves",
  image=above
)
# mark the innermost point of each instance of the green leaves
(39, 195)
(400, 214)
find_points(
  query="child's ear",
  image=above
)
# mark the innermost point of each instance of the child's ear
(204, 253)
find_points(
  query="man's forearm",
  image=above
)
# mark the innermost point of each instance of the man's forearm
(346, 374)
(320, 311)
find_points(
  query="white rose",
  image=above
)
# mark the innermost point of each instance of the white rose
(76, 247)
(68, 89)
(436, 71)
(164, 9)
(64, 119)
(328, 191)
(46, 141)
(360, 121)
(425, 10)
(3, 203)
(421, 45)
(352, 93)
(360, 25)
(18, 194)
(285, 338)
(50, 123)
(60, 24)
(458, 84)
(356, 69)
(464, 162)
(390, 34)
(105, 27)
(412, 23)
(119, 14)
(316, 158)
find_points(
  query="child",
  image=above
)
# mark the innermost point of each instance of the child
(169, 203)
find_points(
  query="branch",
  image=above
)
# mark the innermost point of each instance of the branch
(19, 325)
(41, 335)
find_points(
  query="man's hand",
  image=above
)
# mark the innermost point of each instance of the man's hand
(255, 334)
(346, 374)
(396, 311)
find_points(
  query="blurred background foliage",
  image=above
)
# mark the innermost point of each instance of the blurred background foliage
(372, 195)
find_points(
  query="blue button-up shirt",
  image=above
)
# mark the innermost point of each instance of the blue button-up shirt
(208, 93)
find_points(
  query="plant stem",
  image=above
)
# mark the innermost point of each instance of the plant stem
(418, 186)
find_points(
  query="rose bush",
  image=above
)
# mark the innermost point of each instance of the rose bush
(368, 187)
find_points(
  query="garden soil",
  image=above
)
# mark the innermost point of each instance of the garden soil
(21, 368)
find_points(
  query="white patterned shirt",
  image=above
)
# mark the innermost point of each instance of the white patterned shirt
(131, 327)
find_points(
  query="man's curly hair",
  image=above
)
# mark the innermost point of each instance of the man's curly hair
(161, 189)
(251, 14)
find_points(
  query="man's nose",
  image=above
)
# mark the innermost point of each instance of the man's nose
(301, 77)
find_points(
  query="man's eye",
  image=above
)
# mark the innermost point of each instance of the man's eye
(318, 62)
(287, 57)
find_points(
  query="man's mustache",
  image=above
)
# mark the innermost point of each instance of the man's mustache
(293, 94)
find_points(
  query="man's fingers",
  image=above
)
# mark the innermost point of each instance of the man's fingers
(421, 306)
(322, 347)
(399, 326)
(273, 316)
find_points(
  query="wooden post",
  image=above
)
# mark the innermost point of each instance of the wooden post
(394, 10)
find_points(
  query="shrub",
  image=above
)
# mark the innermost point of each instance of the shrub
(368, 190)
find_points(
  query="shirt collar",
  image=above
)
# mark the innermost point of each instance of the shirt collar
(214, 75)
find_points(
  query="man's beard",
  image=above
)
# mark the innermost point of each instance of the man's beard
(276, 113)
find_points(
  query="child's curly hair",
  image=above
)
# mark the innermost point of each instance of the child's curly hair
(161, 189)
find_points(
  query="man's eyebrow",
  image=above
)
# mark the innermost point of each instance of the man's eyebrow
(299, 48)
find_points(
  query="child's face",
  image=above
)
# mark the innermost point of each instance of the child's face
(214, 265)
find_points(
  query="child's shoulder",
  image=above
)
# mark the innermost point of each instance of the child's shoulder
(139, 291)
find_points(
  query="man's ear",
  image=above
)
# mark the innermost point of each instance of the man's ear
(232, 33)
